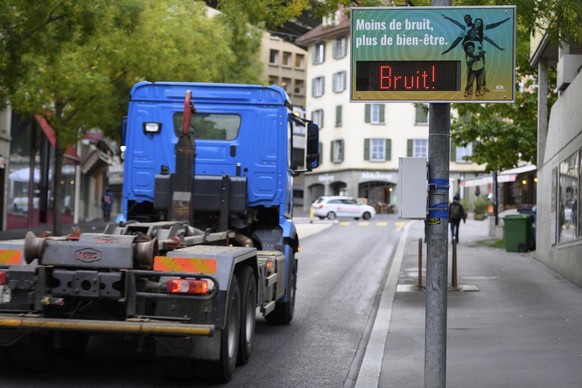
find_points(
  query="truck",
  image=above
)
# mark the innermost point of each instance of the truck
(206, 239)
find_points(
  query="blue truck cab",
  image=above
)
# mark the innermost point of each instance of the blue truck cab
(243, 132)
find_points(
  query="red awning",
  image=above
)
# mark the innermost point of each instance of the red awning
(70, 154)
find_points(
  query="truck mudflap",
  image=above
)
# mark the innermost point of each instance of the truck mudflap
(132, 326)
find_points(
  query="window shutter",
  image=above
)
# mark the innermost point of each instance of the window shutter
(388, 154)
(382, 110)
(322, 115)
(342, 150)
(366, 149)
(320, 158)
(453, 152)
(338, 115)
(331, 151)
(409, 149)
(313, 87)
(367, 118)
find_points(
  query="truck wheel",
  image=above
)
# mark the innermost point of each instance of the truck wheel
(331, 216)
(221, 370)
(248, 291)
(283, 313)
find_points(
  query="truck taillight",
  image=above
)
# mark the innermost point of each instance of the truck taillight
(3, 278)
(188, 286)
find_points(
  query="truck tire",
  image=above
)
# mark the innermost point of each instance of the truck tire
(248, 291)
(283, 313)
(221, 371)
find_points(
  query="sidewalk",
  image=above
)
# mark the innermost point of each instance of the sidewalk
(520, 327)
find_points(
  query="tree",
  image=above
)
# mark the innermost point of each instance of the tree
(74, 62)
(503, 135)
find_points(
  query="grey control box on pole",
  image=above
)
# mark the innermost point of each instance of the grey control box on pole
(412, 193)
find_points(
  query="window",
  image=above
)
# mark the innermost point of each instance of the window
(319, 53)
(286, 59)
(421, 114)
(273, 80)
(417, 148)
(459, 153)
(339, 81)
(568, 195)
(274, 57)
(299, 61)
(377, 149)
(375, 113)
(318, 86)
(209, 126)
(317, 117)
(338, 115)
(340, 47)
(299, 86)
(337, 151)
(286, 84)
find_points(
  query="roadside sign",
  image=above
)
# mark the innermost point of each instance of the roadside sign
(433, 54)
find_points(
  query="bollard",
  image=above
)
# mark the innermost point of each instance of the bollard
(419, 283)
(454, 266)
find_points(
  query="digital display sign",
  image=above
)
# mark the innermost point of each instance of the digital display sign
(422, 76)
(433, 54)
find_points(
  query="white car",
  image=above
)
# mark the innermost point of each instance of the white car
(338, 206)
(20, 204)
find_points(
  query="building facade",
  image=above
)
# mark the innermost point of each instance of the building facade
(558, 236)
(361, 143)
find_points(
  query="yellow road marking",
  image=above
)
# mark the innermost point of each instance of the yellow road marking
(400, 225)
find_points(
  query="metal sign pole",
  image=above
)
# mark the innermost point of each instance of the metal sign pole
(435, 360)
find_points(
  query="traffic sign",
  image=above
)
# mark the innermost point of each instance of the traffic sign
(433, 54)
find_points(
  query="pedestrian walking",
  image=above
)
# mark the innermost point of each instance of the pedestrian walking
(456, 214)
(107, 204)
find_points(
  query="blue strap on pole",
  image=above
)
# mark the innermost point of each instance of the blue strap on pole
(439, 209)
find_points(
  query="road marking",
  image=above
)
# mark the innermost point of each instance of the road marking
(400, 225)
(367, 223)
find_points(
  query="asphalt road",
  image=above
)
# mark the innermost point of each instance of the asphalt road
(342, 269)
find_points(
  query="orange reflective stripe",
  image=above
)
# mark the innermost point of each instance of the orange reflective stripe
(10, 256)
(184, 264)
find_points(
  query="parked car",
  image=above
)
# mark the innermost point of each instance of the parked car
(20, 204)
(337, 206)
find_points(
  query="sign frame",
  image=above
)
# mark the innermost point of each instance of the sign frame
(397, 54)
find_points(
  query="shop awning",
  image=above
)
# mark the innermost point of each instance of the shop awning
(502, 177)
(70, 154)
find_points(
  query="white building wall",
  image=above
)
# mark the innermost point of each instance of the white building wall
(564, 138)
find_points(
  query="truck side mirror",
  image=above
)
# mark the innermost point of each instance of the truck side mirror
(312, 147)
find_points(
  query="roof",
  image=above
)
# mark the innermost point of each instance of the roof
(322, 32)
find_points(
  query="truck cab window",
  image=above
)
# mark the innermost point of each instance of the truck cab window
(209, 126)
